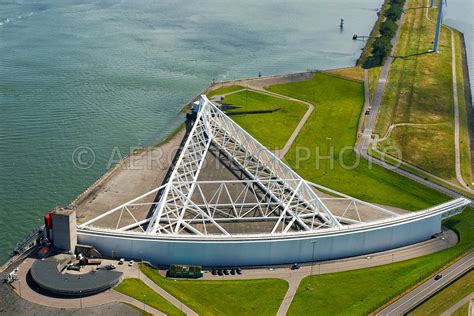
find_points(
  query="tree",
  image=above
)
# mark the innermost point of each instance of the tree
(394, 12)
(382, 47)
(388, 28)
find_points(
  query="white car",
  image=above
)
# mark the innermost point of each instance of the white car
(121, 261)
(130, 263)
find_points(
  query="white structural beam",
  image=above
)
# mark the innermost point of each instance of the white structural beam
(268, 191)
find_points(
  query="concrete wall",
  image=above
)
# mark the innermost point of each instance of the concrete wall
(64, 229)
(165, 251)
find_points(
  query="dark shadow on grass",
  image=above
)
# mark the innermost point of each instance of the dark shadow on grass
(415, 8)
(411, 55)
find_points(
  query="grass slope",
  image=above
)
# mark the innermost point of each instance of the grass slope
(141, 292)
(283, 121)
(360, 292)
(447, 297)
(246, 297)
(419, 90)
(338, 104)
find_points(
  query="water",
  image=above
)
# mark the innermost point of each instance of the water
(116, 73)
(459, 14)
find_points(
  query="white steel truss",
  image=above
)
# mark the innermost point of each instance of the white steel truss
(269, 199)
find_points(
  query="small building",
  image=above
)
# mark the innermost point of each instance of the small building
(64, 229)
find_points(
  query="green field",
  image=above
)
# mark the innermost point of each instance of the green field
(447, 297)
(283, 121)
(338, 104)
(141, 292)
(419, 91)
(246, 297)
(360, 292)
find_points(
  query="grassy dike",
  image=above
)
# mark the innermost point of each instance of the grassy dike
(419, 93)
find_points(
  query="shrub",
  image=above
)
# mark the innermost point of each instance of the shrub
(382, 47)
(388, 28)
(394, 12)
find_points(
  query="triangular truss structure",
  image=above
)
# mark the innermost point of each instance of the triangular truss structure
(266, 197)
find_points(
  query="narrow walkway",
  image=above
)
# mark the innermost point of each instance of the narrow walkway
(468, 299)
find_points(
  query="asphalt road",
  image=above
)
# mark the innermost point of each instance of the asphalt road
(415, 297)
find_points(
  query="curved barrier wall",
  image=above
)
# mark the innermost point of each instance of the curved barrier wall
(255, 251)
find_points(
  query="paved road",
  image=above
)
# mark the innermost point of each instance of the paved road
(428, 288)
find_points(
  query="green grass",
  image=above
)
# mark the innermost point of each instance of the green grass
(283, 122)
(224, 90)
(355, 73)
(338, 104)
(246, 297)
(419, 90)
(141, 292)
(462, 100)
(360, 292)
(447, 297)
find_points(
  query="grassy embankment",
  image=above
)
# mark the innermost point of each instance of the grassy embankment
(284, 120)
(419, 91)
(360, 292)
(141, 292)
(338, 104)
(447, 297)
(246, 297)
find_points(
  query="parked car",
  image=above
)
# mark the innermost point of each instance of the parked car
(226, 272)
(238, 270)
(232, 271)
(219, 272)
(121, 261)
(214, 272)
(130, 263)
(295, 266)
(110, 267)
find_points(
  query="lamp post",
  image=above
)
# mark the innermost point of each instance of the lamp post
(438, 26)
(328, 139)
(80, 298)
(312, 265)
